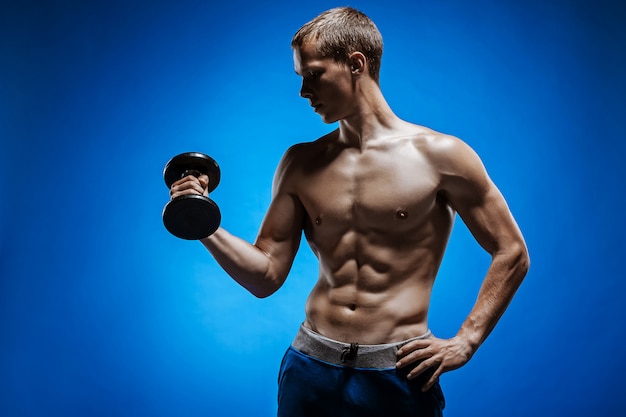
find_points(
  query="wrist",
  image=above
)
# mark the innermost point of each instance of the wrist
(211, 240)
(470, 339)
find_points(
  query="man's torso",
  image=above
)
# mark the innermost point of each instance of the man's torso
(378, 223)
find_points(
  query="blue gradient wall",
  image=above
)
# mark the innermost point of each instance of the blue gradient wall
(103, 313)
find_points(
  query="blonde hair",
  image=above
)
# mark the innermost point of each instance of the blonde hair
(341, 31)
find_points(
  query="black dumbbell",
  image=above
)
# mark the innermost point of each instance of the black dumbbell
(191, 216)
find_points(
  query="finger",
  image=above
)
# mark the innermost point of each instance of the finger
(414, 345)
(187, 185)
(183, 190)
(433, 379)
(420, 369)
(187, 178)
(204, 180)
(415, 356)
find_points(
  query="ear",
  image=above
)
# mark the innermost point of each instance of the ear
(358, 63)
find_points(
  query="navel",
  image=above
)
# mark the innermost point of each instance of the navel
(318, 221)
(402, 214)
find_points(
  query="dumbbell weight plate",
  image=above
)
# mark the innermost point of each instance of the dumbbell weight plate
(191, 217)
(192, 161)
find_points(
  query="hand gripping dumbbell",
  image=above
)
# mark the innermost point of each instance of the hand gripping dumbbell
(191, 216)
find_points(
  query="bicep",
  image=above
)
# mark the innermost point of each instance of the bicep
(280, 233)
(488, 218)
(478, 201)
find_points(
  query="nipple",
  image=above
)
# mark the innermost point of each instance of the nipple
(402, 214)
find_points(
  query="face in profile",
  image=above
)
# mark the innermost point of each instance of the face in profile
(327, 84)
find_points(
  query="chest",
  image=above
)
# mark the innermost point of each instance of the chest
(373, 189)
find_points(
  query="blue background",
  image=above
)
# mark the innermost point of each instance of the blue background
(103, 313)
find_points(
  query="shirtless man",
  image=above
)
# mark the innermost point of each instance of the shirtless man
(376, 200)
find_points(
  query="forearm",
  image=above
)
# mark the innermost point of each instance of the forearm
(503, 278)
(246, 263)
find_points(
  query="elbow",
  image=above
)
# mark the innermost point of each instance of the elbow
(514, 262)
(525, 259)
(262, 293)
(520, 261)
(526, 262)
(265, 287)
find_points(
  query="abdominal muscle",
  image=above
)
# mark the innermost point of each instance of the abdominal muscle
(373, 299)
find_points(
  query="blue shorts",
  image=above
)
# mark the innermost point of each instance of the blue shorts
(320, 377)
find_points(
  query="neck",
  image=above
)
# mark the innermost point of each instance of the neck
(372, 119)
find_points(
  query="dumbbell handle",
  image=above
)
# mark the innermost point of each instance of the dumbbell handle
(193, 172)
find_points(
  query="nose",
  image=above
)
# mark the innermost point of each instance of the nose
(305, 91)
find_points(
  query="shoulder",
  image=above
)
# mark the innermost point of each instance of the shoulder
(440, 148)
(447, 154)
(459, 168)
(297, 157)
